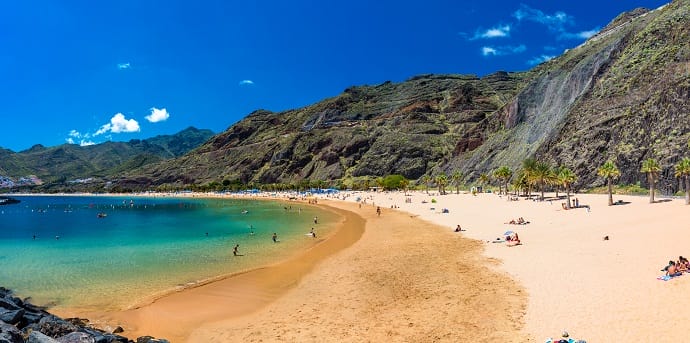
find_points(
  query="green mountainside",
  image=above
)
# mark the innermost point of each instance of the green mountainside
(407, 128)
(624, 95)
(69, 161)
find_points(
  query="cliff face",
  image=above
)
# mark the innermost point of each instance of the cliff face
(538, 113)
(638, 106)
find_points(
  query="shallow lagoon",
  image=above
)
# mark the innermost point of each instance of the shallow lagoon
(143, 247)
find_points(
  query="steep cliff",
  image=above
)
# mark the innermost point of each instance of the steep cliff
(638, 106)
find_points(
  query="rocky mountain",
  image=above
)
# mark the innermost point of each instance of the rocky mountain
(622, 95)
(406, 128)
(69, 161)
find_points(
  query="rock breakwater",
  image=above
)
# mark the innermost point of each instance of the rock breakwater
(23, 322)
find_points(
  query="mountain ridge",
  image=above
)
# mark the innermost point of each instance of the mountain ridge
(66, 162)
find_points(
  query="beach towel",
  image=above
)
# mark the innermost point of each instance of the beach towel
(666, 277)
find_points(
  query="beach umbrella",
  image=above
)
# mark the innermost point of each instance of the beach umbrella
(508, 233)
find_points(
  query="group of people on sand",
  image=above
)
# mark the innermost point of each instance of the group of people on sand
(519, 221)
(565, 338)
(513, 239)
(677, 268)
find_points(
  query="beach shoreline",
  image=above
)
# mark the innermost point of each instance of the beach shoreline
(142, 317)
(564, 275)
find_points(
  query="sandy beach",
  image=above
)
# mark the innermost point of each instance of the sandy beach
(407, 277)
(598, 290)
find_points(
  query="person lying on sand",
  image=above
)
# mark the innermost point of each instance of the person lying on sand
(682, 264)
(672, 270)
(513, 240)
(519, 221)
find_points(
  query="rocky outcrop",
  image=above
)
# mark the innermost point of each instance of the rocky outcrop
(22, 322)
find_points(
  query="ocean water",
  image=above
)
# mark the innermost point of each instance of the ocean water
(143, 246)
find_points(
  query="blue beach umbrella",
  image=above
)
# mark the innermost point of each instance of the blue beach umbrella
(508, 233)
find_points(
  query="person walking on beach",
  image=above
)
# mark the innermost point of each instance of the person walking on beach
(378, 211)
(235, 249)
(316, 220)
(275, 237)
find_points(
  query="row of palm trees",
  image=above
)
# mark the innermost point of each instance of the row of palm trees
(535, 174)
(652, 168)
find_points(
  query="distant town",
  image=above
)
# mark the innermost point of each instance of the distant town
(8, 182)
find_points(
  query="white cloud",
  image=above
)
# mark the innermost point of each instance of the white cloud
(82, 142)
(494, 32)
(555, 21)
(246, 82)
(540, 59)
(579, 35)
(124, 66)
(76, 135)
(503, 50)
(118, 124)
(157, 115)
(487, 50)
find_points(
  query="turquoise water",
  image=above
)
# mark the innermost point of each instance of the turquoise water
(143, 247)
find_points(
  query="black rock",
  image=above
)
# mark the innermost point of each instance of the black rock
(7, 303)
(17, 301)
(30, 318)
(119, 329)
(10, 334)
(11, 316)
(55, 327)
(37, 337)
(77, 337)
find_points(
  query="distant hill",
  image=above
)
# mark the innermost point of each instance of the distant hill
(69, 161)
(623, 95)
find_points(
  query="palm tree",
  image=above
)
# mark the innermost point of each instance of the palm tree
(520, 182)
(528, 166)
(405, 184)
(504, 174)
(483, 179)
(427, 180)
(541, 176)
(652, 168)
(566, 177)
(455, 178)
(683, 169)
(609, 171)
(441, 182)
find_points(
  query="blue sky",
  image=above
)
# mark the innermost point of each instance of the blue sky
(87, 72)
